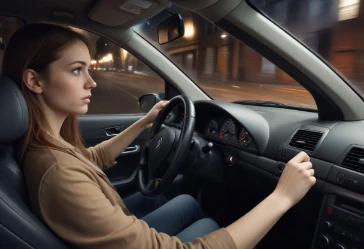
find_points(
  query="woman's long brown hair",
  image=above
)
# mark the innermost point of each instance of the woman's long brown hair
(35, 46)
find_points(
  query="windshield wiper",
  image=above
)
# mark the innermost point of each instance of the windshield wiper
(273, 104)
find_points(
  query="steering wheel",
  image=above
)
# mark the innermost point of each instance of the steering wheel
(164, 151)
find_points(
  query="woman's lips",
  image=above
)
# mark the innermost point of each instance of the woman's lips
(87, 99)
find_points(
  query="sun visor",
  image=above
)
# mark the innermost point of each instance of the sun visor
(194, 5)
(212, 10)
(125, 13)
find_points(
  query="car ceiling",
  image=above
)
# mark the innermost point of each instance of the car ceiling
(101, 17)
(106, 16)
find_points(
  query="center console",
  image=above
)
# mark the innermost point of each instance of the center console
(340, 224)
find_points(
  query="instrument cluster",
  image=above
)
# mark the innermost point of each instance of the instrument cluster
(228, 131)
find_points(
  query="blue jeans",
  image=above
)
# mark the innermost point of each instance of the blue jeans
(181, 216)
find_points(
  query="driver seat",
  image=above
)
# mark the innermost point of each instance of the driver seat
(19, 227)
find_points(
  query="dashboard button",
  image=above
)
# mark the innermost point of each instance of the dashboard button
(324, 241)
(231, 160)
(340, 177)
(206, 149)
(328, 224)
(351, 181)
(340, 246)
(284, 153)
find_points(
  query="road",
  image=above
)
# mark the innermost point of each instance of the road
(118, 92)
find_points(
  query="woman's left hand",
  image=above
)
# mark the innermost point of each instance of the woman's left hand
(149, 119)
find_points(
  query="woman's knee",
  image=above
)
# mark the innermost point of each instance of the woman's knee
(187, 200)
(190, 204)
(199, 228)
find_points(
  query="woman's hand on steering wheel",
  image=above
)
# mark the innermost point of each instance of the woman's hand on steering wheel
(151, 116)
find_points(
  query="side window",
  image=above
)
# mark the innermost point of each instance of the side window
(121, 78)
(8, 25)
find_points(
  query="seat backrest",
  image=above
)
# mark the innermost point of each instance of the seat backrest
(19, 227)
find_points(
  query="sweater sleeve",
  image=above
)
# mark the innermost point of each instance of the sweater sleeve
(74, 207)
(100, 156)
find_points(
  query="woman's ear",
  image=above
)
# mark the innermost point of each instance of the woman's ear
(32, 80)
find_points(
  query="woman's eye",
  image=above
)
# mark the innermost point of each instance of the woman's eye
(76, 70)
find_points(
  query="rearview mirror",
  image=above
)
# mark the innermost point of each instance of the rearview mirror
(147, 101)
(171, 29)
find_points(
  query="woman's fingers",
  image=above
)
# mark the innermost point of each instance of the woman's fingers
(306, 165)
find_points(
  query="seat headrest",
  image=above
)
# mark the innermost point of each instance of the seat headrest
(14, 116)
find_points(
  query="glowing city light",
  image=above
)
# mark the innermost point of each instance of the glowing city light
(348, 9)
(106, 58)
(189, 29)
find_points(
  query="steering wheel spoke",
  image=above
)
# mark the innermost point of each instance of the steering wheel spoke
(172, 155)
(153, 183)
(144, 163)
(147, 143)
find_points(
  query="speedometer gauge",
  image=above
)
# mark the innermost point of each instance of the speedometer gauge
(212, 128)
(228, 130)
(244, 137)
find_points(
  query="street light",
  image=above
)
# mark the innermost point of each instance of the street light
(189, 29)
(107, 58)
(348, 9)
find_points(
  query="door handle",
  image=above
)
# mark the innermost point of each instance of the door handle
(113, 131)
(131, 149)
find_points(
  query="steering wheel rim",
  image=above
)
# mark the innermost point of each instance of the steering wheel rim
(164, 151)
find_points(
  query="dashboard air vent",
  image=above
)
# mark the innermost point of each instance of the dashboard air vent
(354, 160)
(306, 140)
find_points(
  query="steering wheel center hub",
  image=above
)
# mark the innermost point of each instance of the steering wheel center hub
(160, 147)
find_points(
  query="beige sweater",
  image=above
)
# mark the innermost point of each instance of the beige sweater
(76, 200)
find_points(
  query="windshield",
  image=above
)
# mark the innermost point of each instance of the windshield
(334, 29)
(226, 69)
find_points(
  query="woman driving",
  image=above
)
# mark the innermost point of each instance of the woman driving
(69, 190)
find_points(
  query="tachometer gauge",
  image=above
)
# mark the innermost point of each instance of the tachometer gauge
(228, 130)
(212, 128)
(244, 137)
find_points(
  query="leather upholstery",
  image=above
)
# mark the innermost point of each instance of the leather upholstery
(14, 119)
(19, 227)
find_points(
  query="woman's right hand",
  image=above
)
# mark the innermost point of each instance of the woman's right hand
(296, 180)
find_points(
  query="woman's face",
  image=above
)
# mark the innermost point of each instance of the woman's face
(68, 84)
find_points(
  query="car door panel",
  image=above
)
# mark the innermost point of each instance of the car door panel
(98, 128)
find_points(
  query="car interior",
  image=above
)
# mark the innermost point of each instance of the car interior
(233, 151)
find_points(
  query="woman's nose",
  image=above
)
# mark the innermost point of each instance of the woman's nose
(90, 83)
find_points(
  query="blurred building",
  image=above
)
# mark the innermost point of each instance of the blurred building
(334, 29)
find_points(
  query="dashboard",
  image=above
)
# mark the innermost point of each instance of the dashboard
(263, 139)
